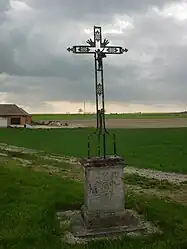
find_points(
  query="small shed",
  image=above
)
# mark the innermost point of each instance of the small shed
(11, 114)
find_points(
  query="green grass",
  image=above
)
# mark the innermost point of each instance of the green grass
(28, 204)
(30, 199)
(162, 149)
(93, 116)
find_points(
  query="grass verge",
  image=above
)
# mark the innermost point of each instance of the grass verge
(30, 199)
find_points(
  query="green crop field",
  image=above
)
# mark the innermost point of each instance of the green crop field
(162, 149)
(93, 116)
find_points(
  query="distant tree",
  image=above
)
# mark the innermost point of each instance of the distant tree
(80, 110)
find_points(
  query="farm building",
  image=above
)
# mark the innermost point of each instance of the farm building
(11, 114)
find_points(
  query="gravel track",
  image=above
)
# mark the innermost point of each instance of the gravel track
(171, 177)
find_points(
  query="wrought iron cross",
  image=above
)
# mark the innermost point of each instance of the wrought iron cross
(99, 49)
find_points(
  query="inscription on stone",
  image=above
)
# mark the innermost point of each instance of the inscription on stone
(105, 189)
(92, 189)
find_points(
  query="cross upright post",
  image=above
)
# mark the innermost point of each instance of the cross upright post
(100, 49)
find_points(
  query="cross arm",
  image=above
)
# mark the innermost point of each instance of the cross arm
(114, 50)
(82, 49)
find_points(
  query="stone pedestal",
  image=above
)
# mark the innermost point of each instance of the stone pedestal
(104, 191)
(103, 211)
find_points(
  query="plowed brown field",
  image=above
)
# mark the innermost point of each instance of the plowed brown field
(133, 123)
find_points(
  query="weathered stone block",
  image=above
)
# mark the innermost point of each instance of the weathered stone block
(104, 184)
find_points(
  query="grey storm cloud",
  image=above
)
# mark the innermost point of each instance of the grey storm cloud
(36, 66)
(84, 9)
(4, 5)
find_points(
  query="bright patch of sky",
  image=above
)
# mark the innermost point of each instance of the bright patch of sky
(176, 10)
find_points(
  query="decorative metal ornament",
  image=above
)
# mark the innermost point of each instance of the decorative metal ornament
(105, 43)
(97, 35)
(83, 49)
(70, 49)
(90, 42)
(100, 50)
(112, 50)
(99, 89)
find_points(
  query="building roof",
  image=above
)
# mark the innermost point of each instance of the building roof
(12, 110)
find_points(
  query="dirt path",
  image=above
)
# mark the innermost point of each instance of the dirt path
(69, 168)
(175, 178)
(177, 196)
(158, 175)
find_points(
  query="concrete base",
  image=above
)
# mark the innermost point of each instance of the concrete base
(74, 230)
(105, 219)
(80, 229)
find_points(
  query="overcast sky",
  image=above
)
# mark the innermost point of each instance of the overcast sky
(37, 72)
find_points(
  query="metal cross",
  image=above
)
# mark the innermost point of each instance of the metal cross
(99, 49)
